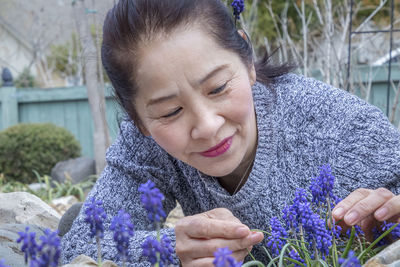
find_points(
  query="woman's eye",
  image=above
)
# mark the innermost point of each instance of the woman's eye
(218, 90)
(172, 113)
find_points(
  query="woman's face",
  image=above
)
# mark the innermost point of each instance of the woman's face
(195, 101)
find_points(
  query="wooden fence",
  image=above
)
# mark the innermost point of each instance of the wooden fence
(65, 107)
(69, 107)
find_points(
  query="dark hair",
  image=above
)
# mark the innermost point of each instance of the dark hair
(131, 23)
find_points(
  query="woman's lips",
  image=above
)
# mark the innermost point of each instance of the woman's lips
(219, 149)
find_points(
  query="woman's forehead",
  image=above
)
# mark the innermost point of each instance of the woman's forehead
(187, 54)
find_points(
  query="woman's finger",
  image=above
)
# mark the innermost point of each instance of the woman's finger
(201, 248)
(197, 227)
(367, 205)
(343, 206)
(389, 210)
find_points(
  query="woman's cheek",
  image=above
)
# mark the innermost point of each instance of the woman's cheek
(170, 138)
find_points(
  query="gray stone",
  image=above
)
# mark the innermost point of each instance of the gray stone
(37, 186)
(77, 169)
(68, 218)
(22, 207)
(10, 250)
(389, 257)
(85, 261)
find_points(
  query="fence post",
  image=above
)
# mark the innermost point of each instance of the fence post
(8, 99)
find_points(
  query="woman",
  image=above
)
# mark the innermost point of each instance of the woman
(228, 139)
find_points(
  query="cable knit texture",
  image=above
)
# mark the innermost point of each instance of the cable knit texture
(302, 124)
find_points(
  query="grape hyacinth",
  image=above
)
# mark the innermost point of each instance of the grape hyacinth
(49, 249)
(94, 216)
(351, 261)
(377, 232)
(151, 247)
(294, 255)
(275, 240)
(123, 229)
(358, 231)
(238, 7)
(166, 250)
(29, 245)
(223, 258)
(2, 263)
(321, 187)
(152, 198)
(395, 232)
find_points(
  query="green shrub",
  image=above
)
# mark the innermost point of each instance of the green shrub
(37, 146)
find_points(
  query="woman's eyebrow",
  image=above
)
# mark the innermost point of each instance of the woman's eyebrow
(212, 73)
(160, 99)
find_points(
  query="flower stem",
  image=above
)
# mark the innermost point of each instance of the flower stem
(98, 251)
(376, 241)
(349, 243)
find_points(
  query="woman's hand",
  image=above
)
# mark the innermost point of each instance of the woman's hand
(199, 236)
(366, 207)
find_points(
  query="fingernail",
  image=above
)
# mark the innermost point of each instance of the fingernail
(351, 218)
(338, 213)
(242, 230)
(255, 236)
(381, 213)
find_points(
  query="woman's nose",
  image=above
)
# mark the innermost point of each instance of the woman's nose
(206, 123)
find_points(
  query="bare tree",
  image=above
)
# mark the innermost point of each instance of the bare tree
(95, 91)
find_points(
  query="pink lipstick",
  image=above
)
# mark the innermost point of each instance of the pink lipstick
(219, 149)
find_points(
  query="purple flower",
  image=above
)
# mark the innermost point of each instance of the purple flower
(29, 245)
(318, 234)
(94, 216)
(152, 198)
(395, 232)
(49, 249)
(151, 247)
(376, 232)
(238, 7)
(166, 251)
(321, 187)
(2, 263)
(294, 255)
(358, 232)
(292, 214)
(275, 241)
(336, 230)
(351, 261)
(122, 227)
(223, 258)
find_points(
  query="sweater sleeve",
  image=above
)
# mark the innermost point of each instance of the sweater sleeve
(131, 161)
(369, 151)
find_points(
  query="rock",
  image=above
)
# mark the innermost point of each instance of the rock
(85, 261)
(62, 204)
(389, 257)
(10, 250)
(78, 169)
(22, 207)
(68, 218)
(174, 216)
(37, 186)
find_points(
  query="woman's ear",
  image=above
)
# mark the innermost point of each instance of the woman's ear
(243, 34)
(252, 70)
(252, 74)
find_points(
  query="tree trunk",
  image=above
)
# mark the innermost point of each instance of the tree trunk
(101, 139)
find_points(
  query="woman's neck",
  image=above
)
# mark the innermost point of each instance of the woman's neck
(235, 180)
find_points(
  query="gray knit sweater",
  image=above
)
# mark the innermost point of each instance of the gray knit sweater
(302, 124)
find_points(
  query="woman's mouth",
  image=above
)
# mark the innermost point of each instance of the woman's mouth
(219, 149)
